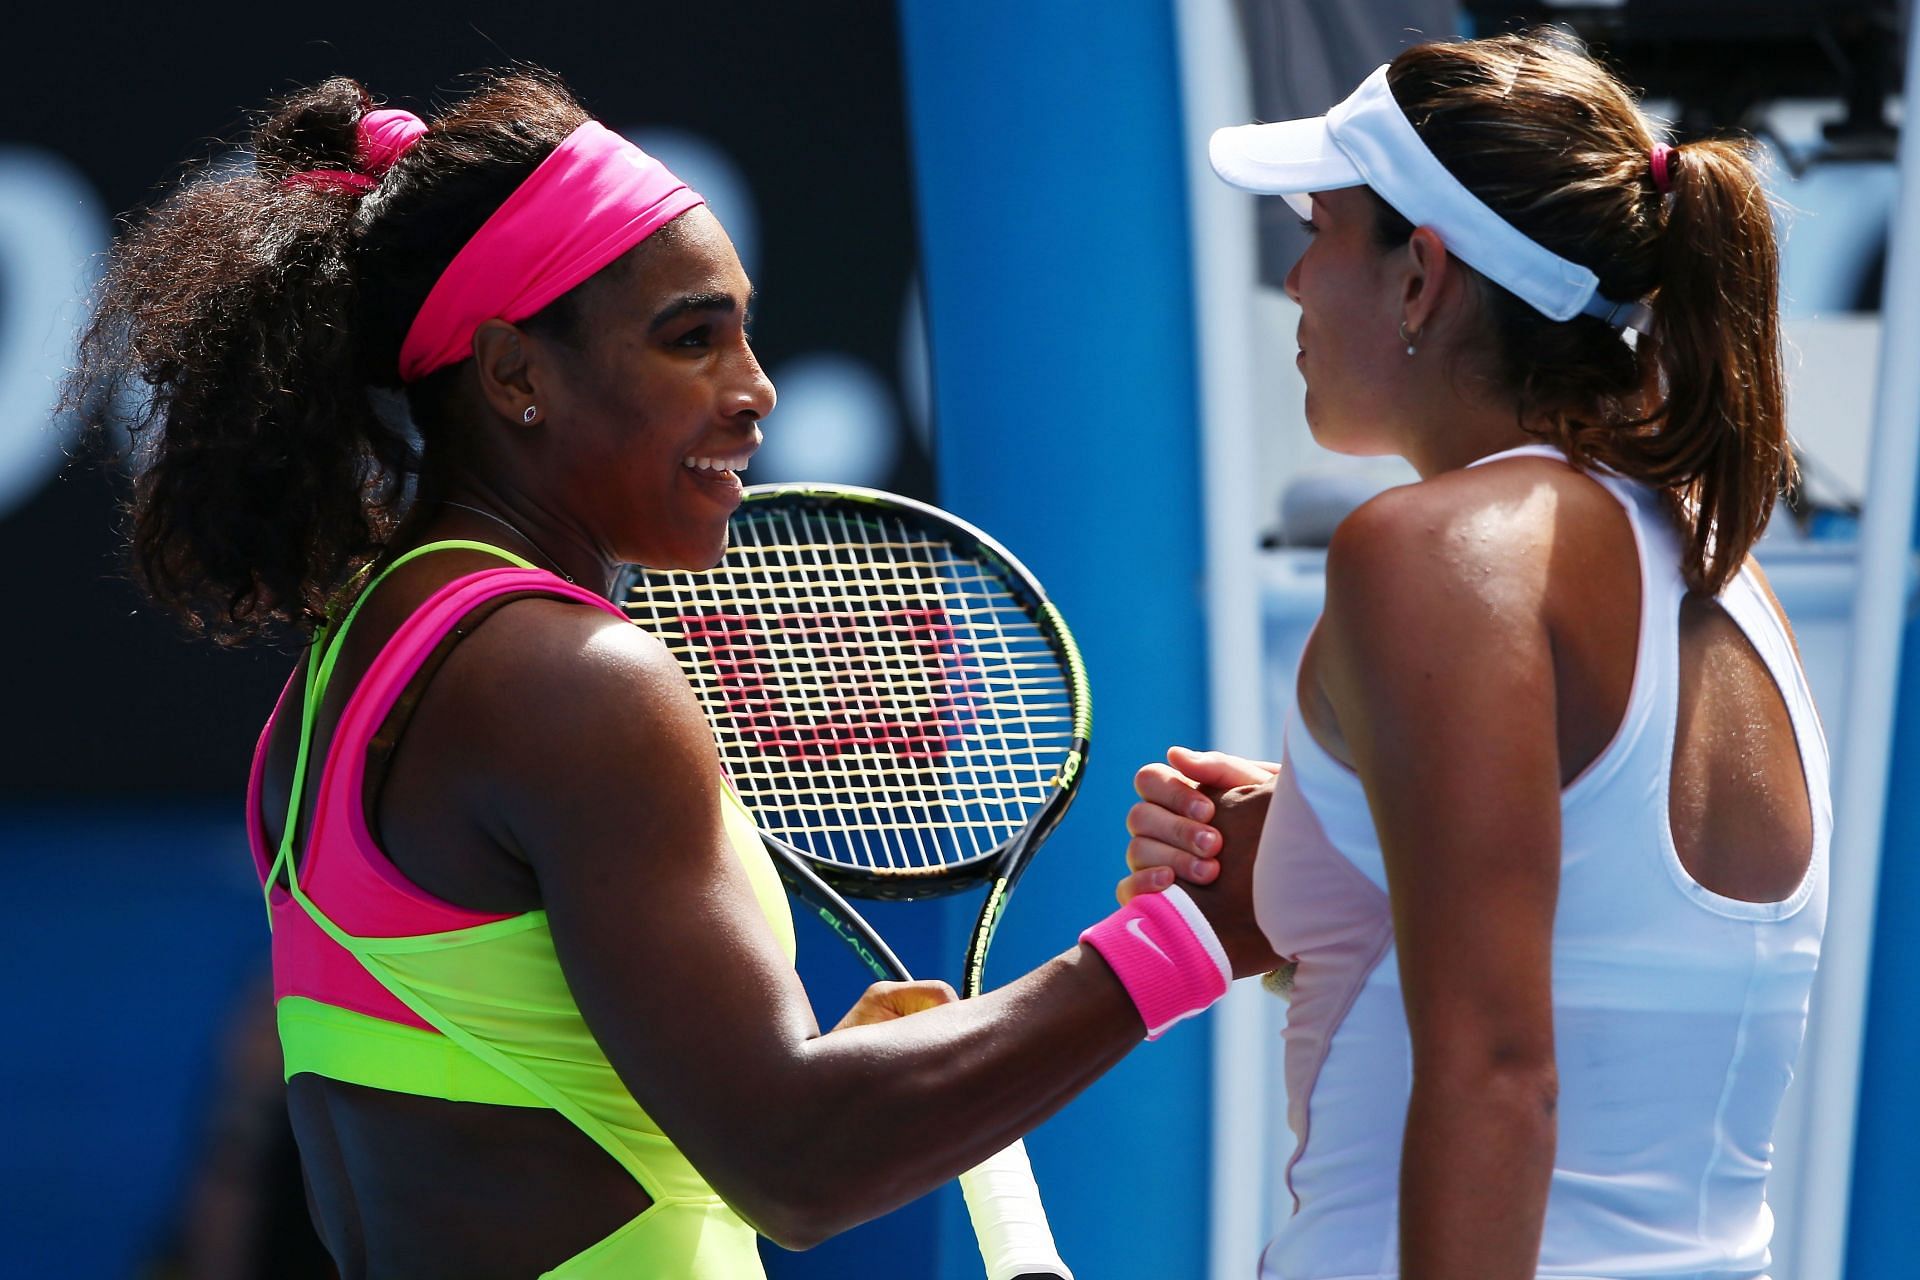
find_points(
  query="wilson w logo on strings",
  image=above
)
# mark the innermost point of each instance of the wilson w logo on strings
(823, 684)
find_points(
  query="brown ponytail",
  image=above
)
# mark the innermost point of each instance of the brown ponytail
(1553, 142)
(1722, 438)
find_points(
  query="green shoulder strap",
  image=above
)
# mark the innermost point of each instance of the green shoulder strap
(320, 659)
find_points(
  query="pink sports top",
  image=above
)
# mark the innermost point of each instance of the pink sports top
(1677, 1012)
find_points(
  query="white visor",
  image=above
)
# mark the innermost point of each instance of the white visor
(1368, 141)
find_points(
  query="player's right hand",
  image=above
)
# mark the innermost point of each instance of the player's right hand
(1227, 900)
(1199, 818)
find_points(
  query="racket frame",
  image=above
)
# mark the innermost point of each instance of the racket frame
(1003, 864)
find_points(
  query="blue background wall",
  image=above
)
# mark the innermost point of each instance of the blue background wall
(1052, 202)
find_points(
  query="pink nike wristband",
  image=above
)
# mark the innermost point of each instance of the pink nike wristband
(1165, 954)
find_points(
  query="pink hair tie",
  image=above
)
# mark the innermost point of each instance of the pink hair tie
(385, 136)
(1662, 179)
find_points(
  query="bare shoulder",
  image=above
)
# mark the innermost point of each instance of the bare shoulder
(542, 649)
(564, 698)
(1479, 534)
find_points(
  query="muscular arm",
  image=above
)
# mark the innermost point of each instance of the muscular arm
(1438, 666)
(608, 783)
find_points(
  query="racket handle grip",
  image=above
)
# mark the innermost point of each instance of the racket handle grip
(1008, 1220)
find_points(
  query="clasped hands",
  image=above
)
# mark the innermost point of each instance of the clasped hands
(1198, 820)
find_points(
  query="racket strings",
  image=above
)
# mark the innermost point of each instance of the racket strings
(881, 701)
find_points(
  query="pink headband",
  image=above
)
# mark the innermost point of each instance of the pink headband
(383, 137)
(1658, 158)
(594, 198)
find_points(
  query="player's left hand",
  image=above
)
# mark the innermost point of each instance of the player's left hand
(885, 1001)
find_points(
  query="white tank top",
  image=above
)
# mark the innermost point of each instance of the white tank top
(1678, 1013)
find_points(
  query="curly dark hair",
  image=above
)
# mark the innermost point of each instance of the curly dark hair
(242, 322)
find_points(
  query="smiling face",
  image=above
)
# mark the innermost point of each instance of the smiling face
(654, 409)
(1350, 309)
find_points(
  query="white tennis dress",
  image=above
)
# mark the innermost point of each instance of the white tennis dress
(1677, 1012)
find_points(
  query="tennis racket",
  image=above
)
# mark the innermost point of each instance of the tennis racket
(904, 714)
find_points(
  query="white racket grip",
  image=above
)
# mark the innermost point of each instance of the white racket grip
(1008, 1220)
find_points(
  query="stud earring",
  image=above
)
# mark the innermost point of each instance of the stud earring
(533, 411)
(1404, 338)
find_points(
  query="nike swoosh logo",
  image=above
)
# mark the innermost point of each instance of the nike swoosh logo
(1138, 929)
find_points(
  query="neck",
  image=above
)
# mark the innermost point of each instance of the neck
(469, 507)
(1448, 430)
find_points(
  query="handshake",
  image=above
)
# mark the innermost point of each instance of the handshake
(1198, 821)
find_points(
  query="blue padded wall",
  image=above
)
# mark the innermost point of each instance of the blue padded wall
(1049, 169)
